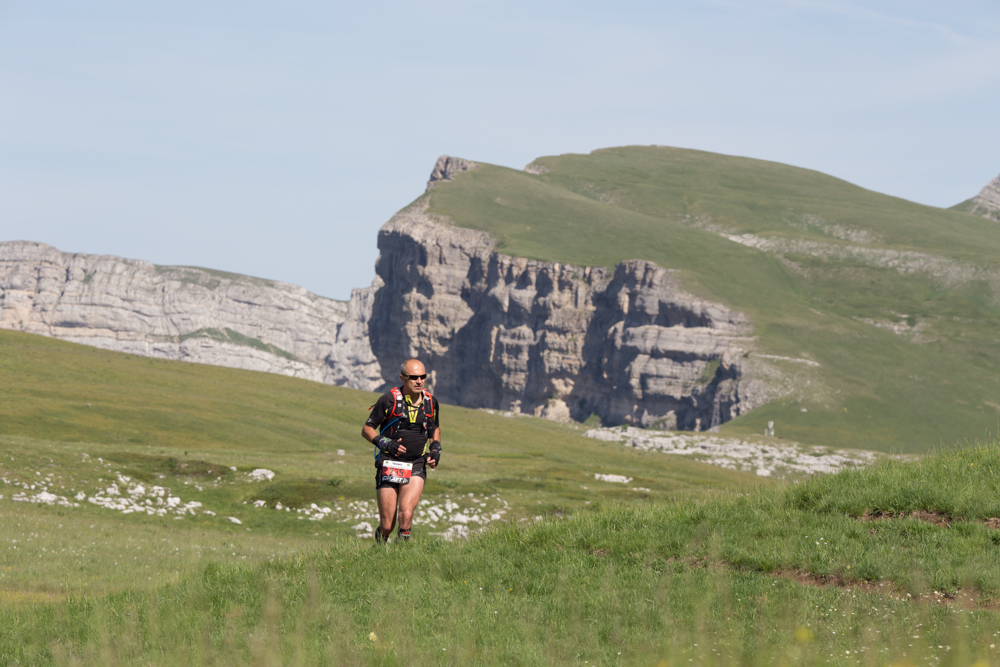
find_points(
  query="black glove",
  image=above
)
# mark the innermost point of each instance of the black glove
(435, 452)
(386, 445)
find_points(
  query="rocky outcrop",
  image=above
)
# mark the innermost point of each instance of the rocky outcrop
(554, 340)
(445, 169)
(626, 343)
(186, 313)
(987, 202)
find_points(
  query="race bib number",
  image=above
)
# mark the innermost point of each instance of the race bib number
(396, 472)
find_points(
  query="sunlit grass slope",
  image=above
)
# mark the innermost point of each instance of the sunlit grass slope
(75, 419)
(777, 575)
(58, 391)
(873, 389)
(688, 563)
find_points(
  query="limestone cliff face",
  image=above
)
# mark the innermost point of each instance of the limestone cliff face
(187, 313)
(495, 331)
(551, 339)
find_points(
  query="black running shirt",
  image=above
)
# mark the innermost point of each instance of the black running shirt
(413, 439)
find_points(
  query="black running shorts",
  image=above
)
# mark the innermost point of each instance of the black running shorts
(419, 470)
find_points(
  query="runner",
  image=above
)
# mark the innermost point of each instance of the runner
(405, 429)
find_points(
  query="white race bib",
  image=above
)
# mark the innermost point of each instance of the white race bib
(396, 472)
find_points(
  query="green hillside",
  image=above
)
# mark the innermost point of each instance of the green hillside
(686, 564)
(74, 418)
(847, 265)
(972, 206)
(61, 392)
(834, 571)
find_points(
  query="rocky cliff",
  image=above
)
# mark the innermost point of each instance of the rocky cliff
(553, 340)
(986, 203)
(185, 313)
(625, 343)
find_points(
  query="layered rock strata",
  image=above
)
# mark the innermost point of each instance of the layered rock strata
(549, 339)
(554, 340)
(188, 314)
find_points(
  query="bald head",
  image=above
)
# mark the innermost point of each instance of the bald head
(413, 375)
(411, 367)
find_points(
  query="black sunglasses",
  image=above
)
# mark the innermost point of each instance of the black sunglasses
(416, 377)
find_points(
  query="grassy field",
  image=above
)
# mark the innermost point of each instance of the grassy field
(601, 589)
(77, 420)
(874, 388)
(687, 564)
(139, 412)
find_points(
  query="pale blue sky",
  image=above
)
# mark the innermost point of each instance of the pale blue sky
(275, 138)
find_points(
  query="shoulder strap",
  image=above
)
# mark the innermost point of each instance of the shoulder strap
(398, 403)
(428, 404)
(395, 414)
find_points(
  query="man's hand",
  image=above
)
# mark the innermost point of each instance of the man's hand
(434, 457)
(388, 446)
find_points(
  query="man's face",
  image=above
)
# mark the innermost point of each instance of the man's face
(414, 370)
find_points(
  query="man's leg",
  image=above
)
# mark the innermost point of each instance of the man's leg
(387, 498)
(409, 496)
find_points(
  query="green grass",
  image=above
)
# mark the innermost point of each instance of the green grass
(874, 388)
(705, 583)
(707, 566)
(125, 405)
(961, 484)
(82, 416)
(51, 555)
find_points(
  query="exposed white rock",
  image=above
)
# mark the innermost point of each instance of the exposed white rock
(534, 168)
(617, 479)
(363, 529)
(186, 313)
(262, 475)
(945, 271)
(764, 457)
(446, 167)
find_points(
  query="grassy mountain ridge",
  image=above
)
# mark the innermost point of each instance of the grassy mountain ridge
(896, 301)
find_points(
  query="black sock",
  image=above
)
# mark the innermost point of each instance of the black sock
(380, 538)
(404, 534)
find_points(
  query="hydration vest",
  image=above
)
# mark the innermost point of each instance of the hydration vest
(400, 415)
